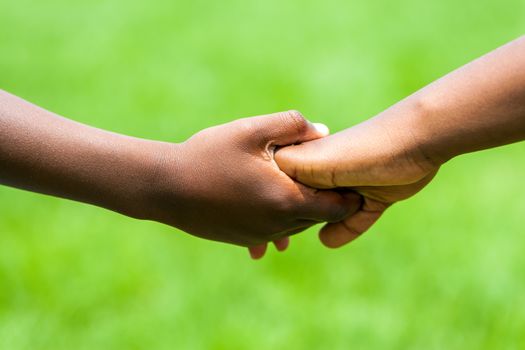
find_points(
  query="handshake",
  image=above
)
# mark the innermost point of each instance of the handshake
(262, 179)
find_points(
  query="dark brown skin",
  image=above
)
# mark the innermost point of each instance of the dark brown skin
(395, 154)
(222, 184)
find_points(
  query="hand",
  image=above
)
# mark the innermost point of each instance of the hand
(223, 184)
(378, 159)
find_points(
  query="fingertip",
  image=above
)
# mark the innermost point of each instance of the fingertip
(335, 235)
(282, 244)
(257, 252)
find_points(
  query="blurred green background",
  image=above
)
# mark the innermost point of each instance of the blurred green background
(444, 270)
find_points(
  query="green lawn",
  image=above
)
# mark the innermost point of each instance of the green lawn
(444, 270)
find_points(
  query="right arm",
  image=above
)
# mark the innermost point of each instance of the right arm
(221, 184)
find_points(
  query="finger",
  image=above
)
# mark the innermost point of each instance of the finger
(283, 240)
(309, 168)
(282, 243)
(258, 251)
(334, 235)
(286, 128)
(280, 240)
(329, 206)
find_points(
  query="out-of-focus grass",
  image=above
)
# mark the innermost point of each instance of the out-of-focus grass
(444, 270)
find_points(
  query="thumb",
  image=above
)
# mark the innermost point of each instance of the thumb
(309, 163)
(287, 128)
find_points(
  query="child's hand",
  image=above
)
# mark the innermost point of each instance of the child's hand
(223, 184)
(376, 159)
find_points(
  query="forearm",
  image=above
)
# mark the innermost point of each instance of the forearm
(42, 152)
(478, 106)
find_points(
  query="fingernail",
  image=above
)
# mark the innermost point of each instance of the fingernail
(321, 129)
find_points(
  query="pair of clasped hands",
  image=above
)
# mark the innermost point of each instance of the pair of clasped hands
(263, 179)
(273, 176)
(279, 174)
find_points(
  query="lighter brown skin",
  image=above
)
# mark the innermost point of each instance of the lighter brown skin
(395, 154)
(222, 184)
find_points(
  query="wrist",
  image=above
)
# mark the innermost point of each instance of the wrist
(429, 148)
(404, 129)
(130, 175)
(153, 169)
(438, 139)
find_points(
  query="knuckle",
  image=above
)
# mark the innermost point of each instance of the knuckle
(246, 127)
(296, 119)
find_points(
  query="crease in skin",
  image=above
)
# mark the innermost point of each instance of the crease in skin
(426, 158)
(297, 119)
(369, 212)
(370, 203)
(269, 151)
(330, 239)
(350, 230)
(332, 179)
